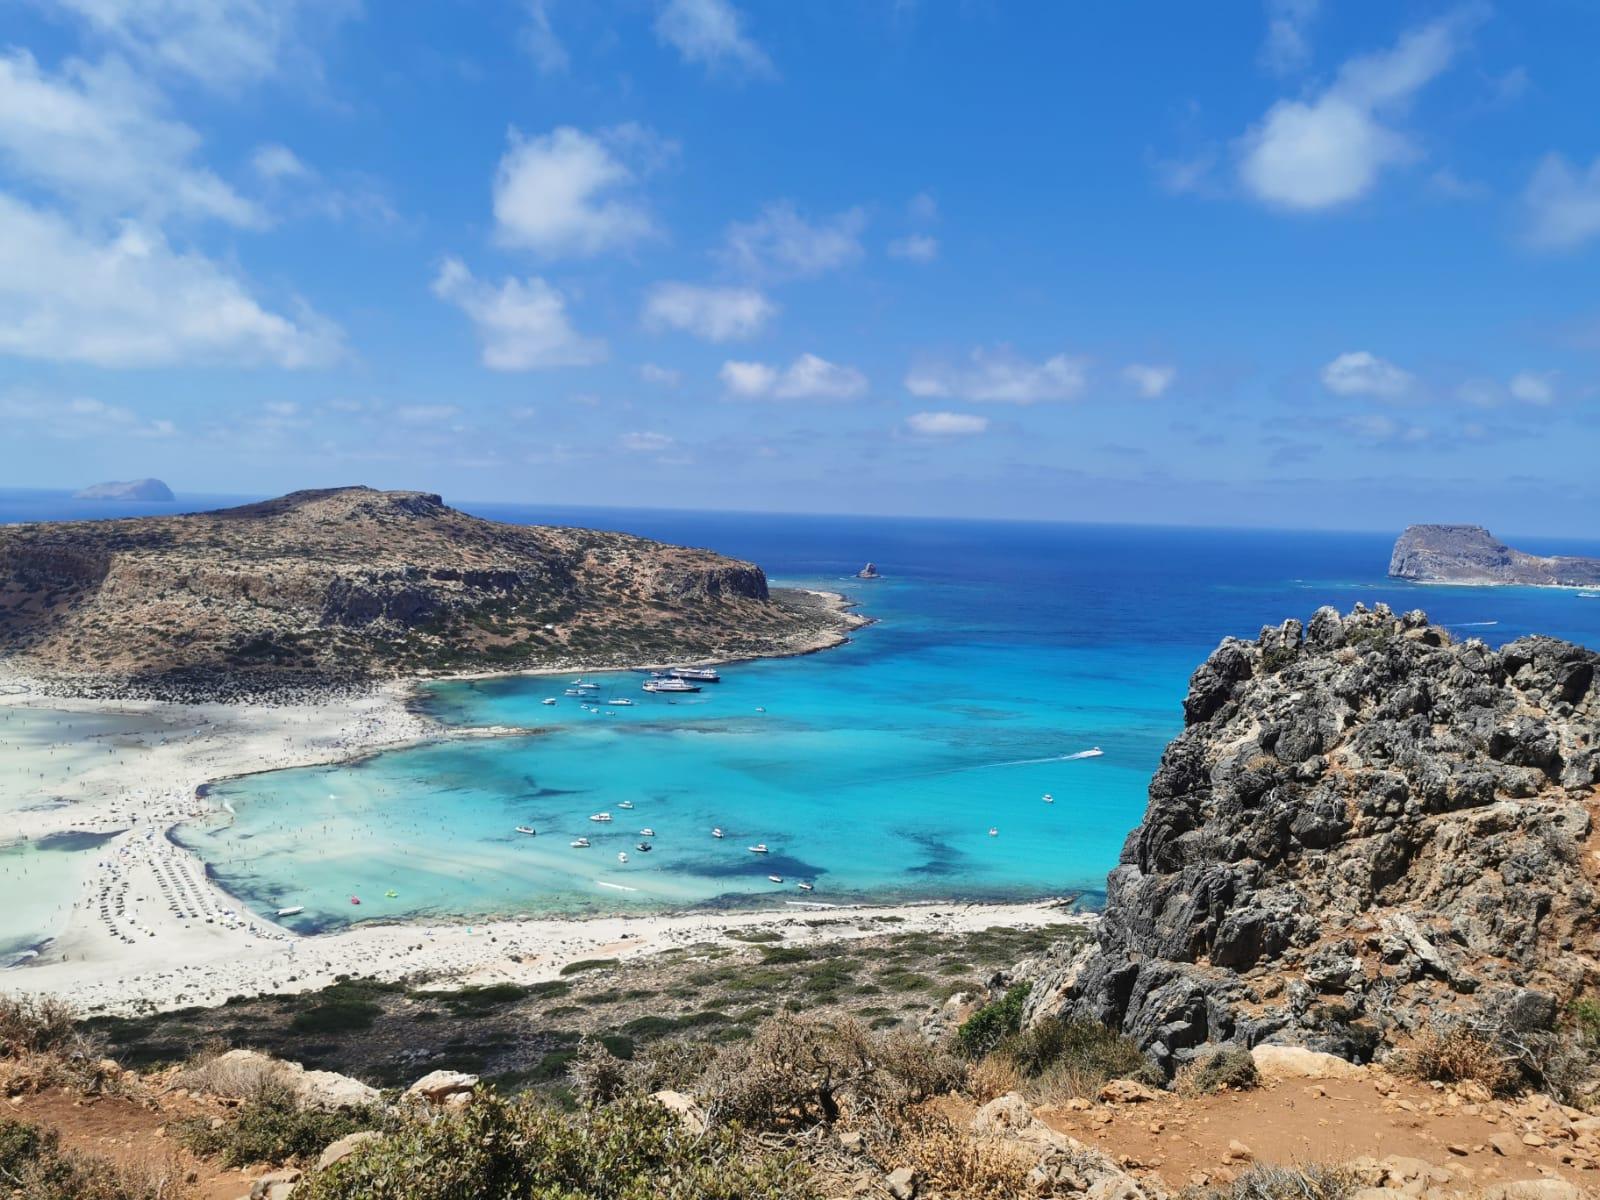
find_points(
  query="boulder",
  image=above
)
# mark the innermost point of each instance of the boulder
(240, 1073)
(901, 1182)
(278, 1185)
(346, 1146)
(1296, 1062)
(689, 1114)
(1126, 1091)
(442, 1087)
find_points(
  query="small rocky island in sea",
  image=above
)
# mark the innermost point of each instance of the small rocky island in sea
(1471, 554)
(149, 490)
(870, 571)
(349, 584)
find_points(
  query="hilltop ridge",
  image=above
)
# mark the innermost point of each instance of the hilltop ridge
(351, 583)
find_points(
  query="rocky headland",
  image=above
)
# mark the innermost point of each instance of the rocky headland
(127, 489)
(1471, 554)
(346, 585)
(1365, 831)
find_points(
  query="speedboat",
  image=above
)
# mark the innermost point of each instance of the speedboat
(717, 832)
(994, 832)
(647, 832)
(758, 848)
(625, 804)
(695, 674)
(622, 856)
(670, 685)
(775, 878)
(620, 703)
(579, 843)
(292, 912)
(805, 887)
(528, 829)
(643, 847)
(1049, 799)
(548, 700)
(601, 817)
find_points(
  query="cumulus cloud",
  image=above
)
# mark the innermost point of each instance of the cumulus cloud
(569, 193)
(1329, 150)
(716, 314)
(711, 34)
(1149, 380)
(1361, 373)
(131, 300)
(522, 324)
(915, 247)
(97, 136)
(1000, 377)
(808, 377)
(782, 244)
(1533, 387)
(1562, 204)
(946, 424)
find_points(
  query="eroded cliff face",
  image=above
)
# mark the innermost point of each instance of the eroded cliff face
(352, 583)
(1362, 828)
(1471, 554)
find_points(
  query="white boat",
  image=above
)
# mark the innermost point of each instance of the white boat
(586, 687)
(717, 832)
(993, 832)
(805, 887)
(1049, 799)
(292, 912)
(620, 703)
(670, 685)
(695, 674)
(579, 843)
(775, 878)
(528, 829)
(622, 856)
(601, 817)
(758, 848)
(647, 832)
(643, 847)
(548, 700)
(625, 804)
(572, 692)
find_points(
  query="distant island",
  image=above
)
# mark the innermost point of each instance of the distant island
(349, 584)
(1471, 554)
(131, 489)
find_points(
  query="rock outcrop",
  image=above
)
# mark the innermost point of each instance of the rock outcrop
(1364, 828)
(130, 489)
(351, 583)
(1471, 554)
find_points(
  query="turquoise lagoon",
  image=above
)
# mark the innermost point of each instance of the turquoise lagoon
(874, 771)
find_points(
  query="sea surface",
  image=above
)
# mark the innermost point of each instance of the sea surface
(913, 762)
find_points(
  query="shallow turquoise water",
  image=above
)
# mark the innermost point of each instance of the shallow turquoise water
(875, 771)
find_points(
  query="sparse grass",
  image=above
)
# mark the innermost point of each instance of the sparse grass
(34, 1167)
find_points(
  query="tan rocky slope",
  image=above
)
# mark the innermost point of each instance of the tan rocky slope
(1365, 832)
(352, 583)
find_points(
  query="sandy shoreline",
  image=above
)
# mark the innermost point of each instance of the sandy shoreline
(149, 929)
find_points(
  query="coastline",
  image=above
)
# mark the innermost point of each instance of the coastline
(149, 927)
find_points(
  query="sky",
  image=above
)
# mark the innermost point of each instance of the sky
(1290, 263)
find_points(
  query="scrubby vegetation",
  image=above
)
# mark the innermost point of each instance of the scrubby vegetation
(1312, 1181)
(272, 1127)
(33, 1167)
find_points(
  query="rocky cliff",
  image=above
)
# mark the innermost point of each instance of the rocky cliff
(1363, 829)
(351, 583)
(1471, 554)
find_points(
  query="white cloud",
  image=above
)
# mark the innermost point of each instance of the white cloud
(76, 417)
(1361, 373)
(131, 300)
(522, 324)
(1149, 380)
(1286, 49)
(1381, 428)
(662, 376)
(539, 38)
(647, 442)
(808, 377)
(1000, 377)
(923, 208)
(557, 194)
(220, 43)
(781, 243)
(426, 414)
(97, 136)
(716, 314)
(1533, 387)
(710, 32)
(1329, 150)
(1563, 204)
(274, 161)
(915, 247)
(946, 424)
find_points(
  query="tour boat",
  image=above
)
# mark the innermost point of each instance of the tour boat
(775, 878)
(695, 674)
(292, 912)
(804, 887)
(528, 829)
(670, 685)
(625, 804)
(601, 817)
(548, 700)
(579, 843)
(647, 832)
(758, 848)
(717, 832)
(622, 856)
(643, 847)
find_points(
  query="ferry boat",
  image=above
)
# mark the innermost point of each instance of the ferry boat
(601, 817)
(670, 685)
(647, 832)
(695, 674)
(528, 829)
(579, 843)
(758, 848)
(717, 832)
(292, 912)
(775, 878)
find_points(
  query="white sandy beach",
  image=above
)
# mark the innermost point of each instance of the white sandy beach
(148, 930)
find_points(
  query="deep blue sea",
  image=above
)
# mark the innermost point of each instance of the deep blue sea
(874, 771)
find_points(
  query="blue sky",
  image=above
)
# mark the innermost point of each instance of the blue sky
(1323, 265)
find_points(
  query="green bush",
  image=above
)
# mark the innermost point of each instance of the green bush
(271, 1127)
(990, 1025)
(630, 1150)
(1080, 1054)
(588, 964)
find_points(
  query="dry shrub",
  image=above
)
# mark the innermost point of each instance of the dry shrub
(950, 1162)
(1309, 1181)
(993, 1076)
(1057, 1059)
(30, 1025)
(598, 1076)
(1225, 1068)
(43, 1047)
(1456, 1054)
(34, 1167)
